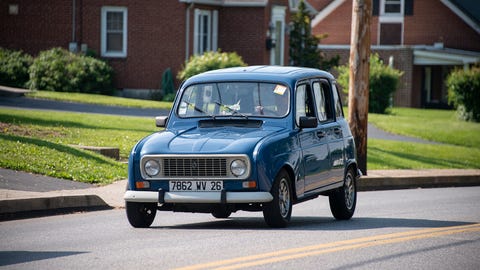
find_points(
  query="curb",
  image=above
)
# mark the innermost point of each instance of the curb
(373, 183)
(51, 203)
(44, 206)
(6, 91)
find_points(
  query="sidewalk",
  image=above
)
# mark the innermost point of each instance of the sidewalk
(26, 194)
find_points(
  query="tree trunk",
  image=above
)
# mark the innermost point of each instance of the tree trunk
(359, 78)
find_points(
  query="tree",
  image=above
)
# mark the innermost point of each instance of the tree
(383, 83)
(304, 50)
(358, 89)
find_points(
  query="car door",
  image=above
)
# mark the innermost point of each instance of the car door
(325, 103)
(313, 141)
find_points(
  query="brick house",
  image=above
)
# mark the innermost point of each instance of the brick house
(425, 39)
(141, 39)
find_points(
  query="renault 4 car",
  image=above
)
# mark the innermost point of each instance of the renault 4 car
(259, 138)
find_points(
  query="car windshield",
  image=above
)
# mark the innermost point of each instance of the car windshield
(243, 99)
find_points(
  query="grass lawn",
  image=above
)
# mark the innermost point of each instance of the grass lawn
(433, 125)
(100, 99)
(382, 154)
(459, 148)
(43, 142)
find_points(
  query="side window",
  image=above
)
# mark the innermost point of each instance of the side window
(304, 102)
(114, 32)
(323, 100)
(338, 103)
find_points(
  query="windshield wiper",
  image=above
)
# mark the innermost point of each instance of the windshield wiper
(234, 112)
(198, 109)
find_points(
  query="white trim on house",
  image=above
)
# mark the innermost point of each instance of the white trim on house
(448, 57)
(103, 32)
(462, 15)
(228, 3)
(423, 54)
(326, 11)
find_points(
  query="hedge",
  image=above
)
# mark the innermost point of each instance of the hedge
(60, 70)
(383, 83)
(209, 61)
(464, 93)
(14, 68)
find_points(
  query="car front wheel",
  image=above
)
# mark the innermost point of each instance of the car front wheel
(344, 199)
(277, 213)
(141, 215)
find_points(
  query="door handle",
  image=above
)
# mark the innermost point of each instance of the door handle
(321, 134)
(337, 131)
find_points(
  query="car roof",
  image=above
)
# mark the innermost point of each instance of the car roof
(286, 74)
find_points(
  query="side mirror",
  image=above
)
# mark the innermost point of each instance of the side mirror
(161, 121)
(308, 122)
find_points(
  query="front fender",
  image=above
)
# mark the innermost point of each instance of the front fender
(274, 153)
(134, 163)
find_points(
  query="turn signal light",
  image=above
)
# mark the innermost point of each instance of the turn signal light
(144, 184)
(249, 184)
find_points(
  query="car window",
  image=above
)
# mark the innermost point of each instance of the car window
(338, 103)
(321, 90)
(235, 98)
(304, 102)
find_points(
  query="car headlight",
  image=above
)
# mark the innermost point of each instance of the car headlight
(152, 167)
(238, 167)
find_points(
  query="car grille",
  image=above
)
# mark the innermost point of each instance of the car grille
(194, 167)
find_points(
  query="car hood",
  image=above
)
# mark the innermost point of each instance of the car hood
(207, 140)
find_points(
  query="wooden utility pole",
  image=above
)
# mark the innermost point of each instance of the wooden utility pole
(359, 85)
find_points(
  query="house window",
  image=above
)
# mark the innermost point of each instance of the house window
(206, 31)
(392, 7)
(114, 32)
(390, 30)
(390, 33)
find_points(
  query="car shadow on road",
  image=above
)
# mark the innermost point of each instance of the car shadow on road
(316, 223)
(16, 257)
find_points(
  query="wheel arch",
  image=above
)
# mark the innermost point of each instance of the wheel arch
(291, 175)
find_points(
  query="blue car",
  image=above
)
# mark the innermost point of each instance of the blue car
(258, 138)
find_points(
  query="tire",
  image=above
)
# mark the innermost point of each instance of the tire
(344, 200)
(277, 213)
(141, 215)
(221, 212)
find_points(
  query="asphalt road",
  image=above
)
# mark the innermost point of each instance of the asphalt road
(402, 229)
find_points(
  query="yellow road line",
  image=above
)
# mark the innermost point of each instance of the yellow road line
(295, 253)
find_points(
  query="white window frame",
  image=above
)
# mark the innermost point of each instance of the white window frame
(104, 52)
(278, 15)
(391, 18)
(211, 34)
(384, 2)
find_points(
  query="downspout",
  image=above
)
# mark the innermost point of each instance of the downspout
(74, 11)
(187, 32)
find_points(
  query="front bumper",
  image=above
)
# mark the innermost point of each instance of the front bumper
(197, 197)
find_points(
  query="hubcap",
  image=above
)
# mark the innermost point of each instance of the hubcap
(284, 198)
(349, 191)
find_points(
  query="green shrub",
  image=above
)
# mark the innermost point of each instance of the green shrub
(14, 67)
(209, 61)
(60, 70)
(383, 83)
(464, 93)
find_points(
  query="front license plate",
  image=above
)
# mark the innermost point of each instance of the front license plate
(196, 185)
